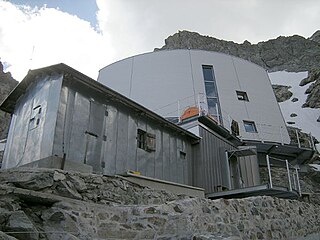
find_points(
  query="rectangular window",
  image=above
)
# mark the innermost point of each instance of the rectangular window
(242, 96)
(141, 138)
(208, 73)
(250, 126)
(146, 141)
(211, 92)
(183, 155)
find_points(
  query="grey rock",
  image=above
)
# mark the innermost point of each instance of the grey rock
(282, 92)
(316, 36)
(20, 226)
(4, 236)
(294, 53)
(33, 179)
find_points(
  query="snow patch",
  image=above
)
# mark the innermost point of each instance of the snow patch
(306, 118)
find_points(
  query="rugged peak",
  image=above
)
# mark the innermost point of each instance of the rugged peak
(294, 53)
(316, 36)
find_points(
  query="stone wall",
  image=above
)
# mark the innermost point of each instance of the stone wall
(53, 204)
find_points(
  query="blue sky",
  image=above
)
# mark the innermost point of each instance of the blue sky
(90, 34)
(84, 9)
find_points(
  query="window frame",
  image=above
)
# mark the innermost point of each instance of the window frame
(250, 124)
(242, 96)
(146, 141)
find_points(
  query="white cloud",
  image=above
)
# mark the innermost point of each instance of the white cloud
(129, 27)
(33, 38)
(142, 25)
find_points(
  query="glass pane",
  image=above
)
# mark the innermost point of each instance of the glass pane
(250, 127)
(212, 106)
(207, 73)
(210, 89)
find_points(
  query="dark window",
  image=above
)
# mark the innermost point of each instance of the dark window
(146, 141)
(242, 96)
(213, 106)
(183, 155)
(250, 126)
(208, 73)
(141, 138)
(210, 89)
(211, 92)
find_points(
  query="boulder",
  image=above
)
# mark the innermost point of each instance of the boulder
(20, 226)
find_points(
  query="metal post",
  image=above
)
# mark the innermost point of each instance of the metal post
(299, 188)
(229, 119)
(298, 138)
(218, 117)
(294, 180)
(269, 171)
(179, 117)
(289, 178)
(228, 170)
(312, 142)
(199, 106)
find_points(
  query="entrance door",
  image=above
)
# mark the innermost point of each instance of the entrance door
(95, 136)
(234, 172)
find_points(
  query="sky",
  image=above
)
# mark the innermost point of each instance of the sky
(90, 34)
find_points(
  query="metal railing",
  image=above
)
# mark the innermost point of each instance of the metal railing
(265, 132)
(282, 173)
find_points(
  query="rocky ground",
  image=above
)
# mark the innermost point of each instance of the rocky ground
(53, 204)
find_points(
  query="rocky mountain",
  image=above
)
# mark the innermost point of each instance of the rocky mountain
(7, 84)
(294, 54)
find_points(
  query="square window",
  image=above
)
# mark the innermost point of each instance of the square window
(250, 126)
(242, 96)
(146, 141)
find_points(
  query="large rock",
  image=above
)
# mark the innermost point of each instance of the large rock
(4, 236)
(282, 92)
(20, 226)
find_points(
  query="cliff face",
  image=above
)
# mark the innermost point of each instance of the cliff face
(7, 84)
(293, 54)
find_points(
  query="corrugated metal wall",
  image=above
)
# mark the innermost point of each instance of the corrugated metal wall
(33, 123)
(210, 164)
(210, 161)
(103, 133)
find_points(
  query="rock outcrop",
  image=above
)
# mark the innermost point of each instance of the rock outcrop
(69, 205)
(294, 53)
(282, 92)
(7, 84)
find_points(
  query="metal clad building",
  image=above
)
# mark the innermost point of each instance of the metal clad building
(59, 112)
(226, 87)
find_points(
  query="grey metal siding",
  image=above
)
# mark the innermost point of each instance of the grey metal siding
(210, 164)
(33, 124)
(210, 160)
(101, 132)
